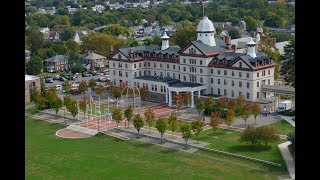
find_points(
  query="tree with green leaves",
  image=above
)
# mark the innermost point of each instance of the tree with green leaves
(34, 94)
(149, 117)
(161, 126)
(239, 104)
(256, 110)
(178, 101)
(246, 113)
(230, 117)
(186, 32)
(267, 134)
(67, 34)
(35, 39)
(288, 63)
(66, 87)
(250, 135)
(214, 121)
(186, 132)
(273, 20)
(73, 108)
(34, 65)
(251, 23)
(60, 20)
(117, 116)
(50, 96)
(66, 101)
(197, 127)
(138, 122)
(292, 138)
(144, 93)
(173, 122)
(41, 103)
(99, 89)
(116, 92)
(72, 46)
(83, 87)
(128, 113)
(116, 30)
(92, 84)
(57, 104)
(199, 105)
(235, 34)
(83, 105)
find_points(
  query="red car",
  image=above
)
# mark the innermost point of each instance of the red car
(74, 90)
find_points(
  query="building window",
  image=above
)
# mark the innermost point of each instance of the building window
(201, 80)
(225, 82)
(161, 88)
(148, 64)
(248, 85)
(179, 76)
(184, 69)
(155, 88)
(168, 74)
(139, 73)
(257, 74)
(211, 80)
(268, 72)
(225, 92)
(225, 72)
(248, 95)
(232, 93)
(119, 56)
(152, 87)
(200, 62)
(232, 73)
(126, 74)
(154, 65)
(218, 71)
(219, 91)
(114, 64)
(160, 65)
(258, 95)
(257, 84)
(173, 67)
(120, 65)
(168, 66)
(120, 73)
(149, 73)
(240, 93)
(201, 71)
(155, 73)
(135, 74)
(126, 66)
(240, 84)
(218, 81)
(232, 83)
(263, 72)
(144, 72)
(173, 75)
(134, 65)
(211, 71)
(240, 64)
(144, 64)
(268, 81)
(114, 72)
(247, 75)
(114, 82)
(184, 60)
(184, 78)
(240, 74)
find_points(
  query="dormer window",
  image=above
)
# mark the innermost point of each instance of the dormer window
(119, 56)
(240, 64)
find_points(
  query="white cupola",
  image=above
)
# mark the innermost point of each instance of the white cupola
(258, 38)
(206, 31)
(165, 41)
(251, 48)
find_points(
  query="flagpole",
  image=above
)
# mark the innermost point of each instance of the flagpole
(78, 109)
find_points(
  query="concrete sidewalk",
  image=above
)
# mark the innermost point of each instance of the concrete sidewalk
(286, 155)
(288, 119)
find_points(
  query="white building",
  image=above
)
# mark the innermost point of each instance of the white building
(206, 67)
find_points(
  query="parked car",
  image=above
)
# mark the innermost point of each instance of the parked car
(62, 79)
(58, 87)
(49, 80)
(74, 90)
(56, 77)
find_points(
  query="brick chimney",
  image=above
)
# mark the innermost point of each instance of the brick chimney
(233, 46)
(131, 53)
(223, 38)
(111, 49)
(228, 41)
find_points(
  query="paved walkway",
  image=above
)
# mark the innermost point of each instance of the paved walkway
(286, 155)
(29, 106)
(288, 119)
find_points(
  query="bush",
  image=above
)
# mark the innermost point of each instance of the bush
(287, 113)
(257, 135)
(292, 138)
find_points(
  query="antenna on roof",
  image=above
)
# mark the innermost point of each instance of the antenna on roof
(202, 9)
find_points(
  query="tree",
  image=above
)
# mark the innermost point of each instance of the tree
(116, 92)
(230, 117)
(66, 87)
(41, 103)
(246, 113)
(240, 103)
(251, 23)
(83, 87)
(137, 122)
(144, 93)
(197, 127)
(60, 20)
(256, 110)
(83, 104)
(35, 39)
(72, 46)
(66, 102)
(99, 43)
(149, 117)
(92, 84)
(186, 132)
(173, 122)
(34, 65)
(186, 98)
(292, 138)
(288, 66)
(57, 104)
(73, 108)
(34, 94)
(267, 134)
(128, 113)
(273, 20)
(50, 96)
(62, 11)
(222, 104)
(67, 34)
(199, 105)
(117, 116)
(99, 89)
(214, 121)
(235, 34)
(250, 135)
(116, 30)
(186, 32)
(166, 20)
(162, 126)
(178, 101)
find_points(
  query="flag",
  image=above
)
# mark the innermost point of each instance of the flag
(260, 30)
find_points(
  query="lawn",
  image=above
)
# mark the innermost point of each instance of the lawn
(222, 140)
(32, 110)
(104, 157)
(283, 127)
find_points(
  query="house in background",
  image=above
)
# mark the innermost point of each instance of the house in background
(56, 63)
(79, 35)
(92, 60)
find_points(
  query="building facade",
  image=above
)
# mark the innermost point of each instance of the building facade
(208, 66)
(56, 63)
(31, 82)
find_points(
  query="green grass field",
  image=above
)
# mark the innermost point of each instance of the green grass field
(104, 157)
(32, 110)
(283, 127)
(229, 143)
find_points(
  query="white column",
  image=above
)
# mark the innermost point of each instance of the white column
(170, 98)
(199, 94)
(192, 100)
(166, 94)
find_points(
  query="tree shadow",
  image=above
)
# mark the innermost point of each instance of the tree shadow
(249, 148)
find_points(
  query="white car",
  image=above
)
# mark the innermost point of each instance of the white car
(58, 87)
